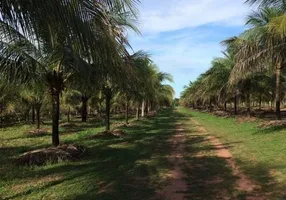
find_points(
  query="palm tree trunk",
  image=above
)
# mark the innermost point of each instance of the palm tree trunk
(1, 117)
(38, 109)
(27, 115)
(235, 104)
(55, 117)
(148, 106)
(278, 92)
(84, 100)
(126, 110)
(68, 114)
(33, 114)
(137, 112)
(99, 109)
(107, 108)
(143, 109)
(248, 104)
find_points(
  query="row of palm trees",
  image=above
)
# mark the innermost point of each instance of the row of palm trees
(65, 49)
(252, 66)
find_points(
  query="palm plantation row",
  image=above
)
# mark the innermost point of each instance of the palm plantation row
(251, 70)
(64, 57)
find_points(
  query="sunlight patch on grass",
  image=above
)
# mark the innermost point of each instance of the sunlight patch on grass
(122, 145)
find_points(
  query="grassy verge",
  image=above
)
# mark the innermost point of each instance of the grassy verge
(260, 152)
(131, 167)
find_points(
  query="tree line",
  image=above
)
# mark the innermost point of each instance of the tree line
(63, 57)
(251, 70)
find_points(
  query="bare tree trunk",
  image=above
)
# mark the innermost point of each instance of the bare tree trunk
(225, 106)
(143, 109)
(55, 117)
(278, 92)
(260, 102)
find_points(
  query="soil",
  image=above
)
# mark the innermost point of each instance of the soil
(177, 186)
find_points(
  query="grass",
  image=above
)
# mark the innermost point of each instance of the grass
(260, 152)
(137, 166)
(114, 168)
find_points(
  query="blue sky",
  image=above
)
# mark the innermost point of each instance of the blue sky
(183, 36)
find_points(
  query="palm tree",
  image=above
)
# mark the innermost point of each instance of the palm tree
(259, 49)
(35, 94)
(281, 4)
(163, 94)
(30, 62)
(49, 44)
(70, 100)
(85, 87)
(135, 89)
(8, 99)
(150, 84)
(216, 80)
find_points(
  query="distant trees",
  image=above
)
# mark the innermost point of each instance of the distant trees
(254, 55)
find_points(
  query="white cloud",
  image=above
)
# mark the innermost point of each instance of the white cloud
(170, 15)
(184, 35)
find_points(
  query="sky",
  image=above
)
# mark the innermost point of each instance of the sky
(183, 36)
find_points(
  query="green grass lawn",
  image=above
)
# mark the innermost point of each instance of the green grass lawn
(136, 166)
(260, 152)
(131, 167)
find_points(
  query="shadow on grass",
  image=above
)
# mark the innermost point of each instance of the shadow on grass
(270, 130)
(114, 168)
(133, 167)
(211, 177)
